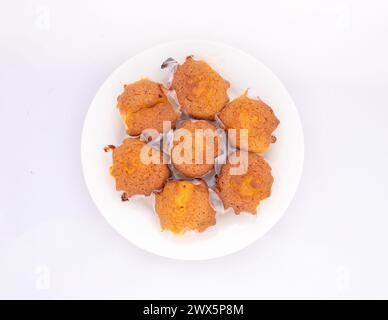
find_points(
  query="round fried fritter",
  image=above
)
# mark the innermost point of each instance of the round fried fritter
(245, 191)
(133, 175)
(184, 205)
(203, 139)
(200, 90)
(144, 105)
(253, 115)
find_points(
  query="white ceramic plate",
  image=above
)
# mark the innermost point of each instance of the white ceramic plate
(136, 220)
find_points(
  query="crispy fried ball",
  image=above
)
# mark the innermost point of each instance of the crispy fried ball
(144, 105)
(245, 191)
(253, 115)
(184, 205)
(133, 175)
(202, 138)
(200, 90)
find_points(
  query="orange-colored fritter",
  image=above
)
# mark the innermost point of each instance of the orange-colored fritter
(184, 205)
(134, 176)
(253, 115)
(200, 90)
(144, 105)
(202, 137)
(244, 192)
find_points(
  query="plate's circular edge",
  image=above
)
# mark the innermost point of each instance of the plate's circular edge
(301, 155)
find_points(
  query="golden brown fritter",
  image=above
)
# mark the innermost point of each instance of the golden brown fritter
(200, 90)
(134, 176)
(144, 105)
(253, 115)
(244, 192)
(204, 148)
(184, 205)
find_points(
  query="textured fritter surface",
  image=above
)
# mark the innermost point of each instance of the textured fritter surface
(144, 105)
(253, 115)
(204, 142)
(183, 206)
(132, 175)
(244, 192)
(200, 90)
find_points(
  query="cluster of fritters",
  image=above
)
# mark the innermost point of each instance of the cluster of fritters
(201, 92)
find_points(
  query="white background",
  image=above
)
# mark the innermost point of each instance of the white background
(333, 58)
